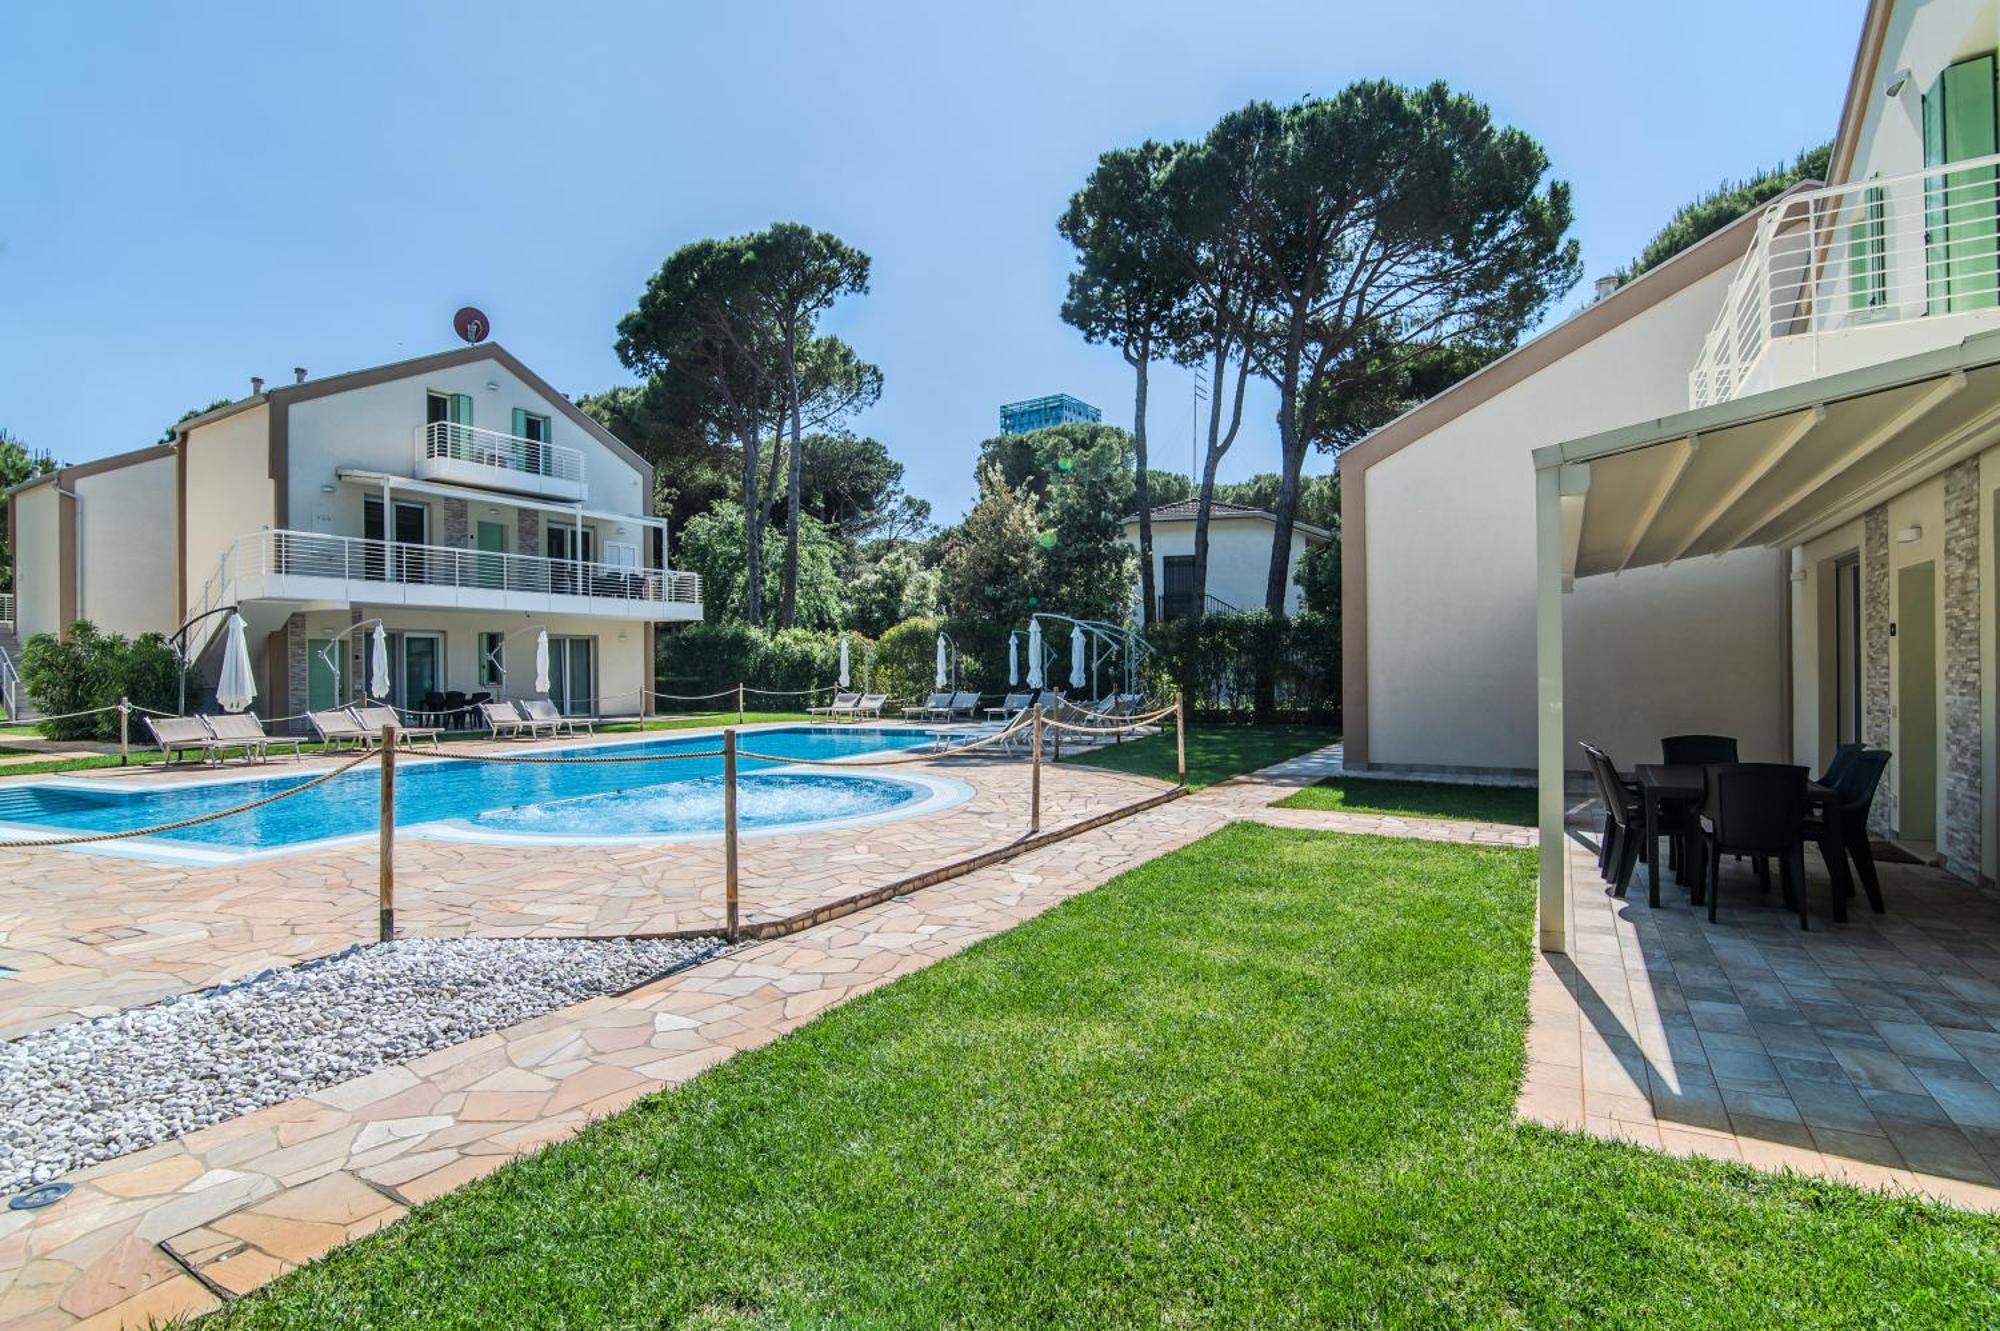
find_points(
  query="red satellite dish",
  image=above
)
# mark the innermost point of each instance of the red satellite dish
(471, 324)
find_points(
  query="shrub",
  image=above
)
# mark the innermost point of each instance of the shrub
(1218, 661)
(906, 658)
(89, 668)
(715, 658)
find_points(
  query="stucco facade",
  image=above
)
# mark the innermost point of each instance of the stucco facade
(1239, 555)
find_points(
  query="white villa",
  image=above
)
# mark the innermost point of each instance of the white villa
(1239, 558)
(1753, 493)
(457, 498)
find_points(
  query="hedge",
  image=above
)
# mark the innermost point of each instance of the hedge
(88, 668)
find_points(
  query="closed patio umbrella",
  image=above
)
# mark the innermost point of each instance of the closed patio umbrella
(237, 689)
(542, 661)
(1036, 679)
(1013, 659)
(942, 677)
(843, 661)
(378, 665)
(1076, 657)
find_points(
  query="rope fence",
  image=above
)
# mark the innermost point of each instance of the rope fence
(1033, 722)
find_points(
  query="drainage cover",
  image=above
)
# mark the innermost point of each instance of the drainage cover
(35, 1198)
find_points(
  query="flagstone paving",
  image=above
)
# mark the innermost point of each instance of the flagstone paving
(180, 1227)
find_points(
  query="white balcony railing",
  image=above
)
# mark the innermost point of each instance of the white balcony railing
(446, 451)
(1867, 253)
(298, 564)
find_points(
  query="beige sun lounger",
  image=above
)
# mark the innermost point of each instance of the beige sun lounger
(842, 704)
(1011, 706)
(338, 727)
(503, 718)
(181, 734)
(871, 705)
(374, 720)
(929, 709)
(542, 711)
(233, 728)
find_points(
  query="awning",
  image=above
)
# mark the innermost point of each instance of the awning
(1772, 469)
(445, 490)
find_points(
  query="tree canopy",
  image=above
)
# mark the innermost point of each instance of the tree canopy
(1717, 208)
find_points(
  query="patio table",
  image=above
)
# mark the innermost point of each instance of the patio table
(1662, 784)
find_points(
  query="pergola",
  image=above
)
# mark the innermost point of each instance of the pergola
(1774, 469)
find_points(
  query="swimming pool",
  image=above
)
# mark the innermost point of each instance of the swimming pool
(568, 802)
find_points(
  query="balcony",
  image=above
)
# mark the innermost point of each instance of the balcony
(309, 567)
(467, 455)
(1855, 274)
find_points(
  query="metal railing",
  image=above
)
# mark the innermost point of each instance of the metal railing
(1180, 605)
(10, 686)
(506, 452)
(1867, 253)
(302, 554)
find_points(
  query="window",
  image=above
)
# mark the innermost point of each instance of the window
(492, 659)
(1960, 123)
(453, 407)
(530, 426)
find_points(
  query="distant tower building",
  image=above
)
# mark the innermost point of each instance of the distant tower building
(1040, 413)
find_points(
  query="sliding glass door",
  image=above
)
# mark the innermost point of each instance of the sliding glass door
(573, 675)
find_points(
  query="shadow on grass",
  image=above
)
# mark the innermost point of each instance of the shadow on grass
(1418, 799)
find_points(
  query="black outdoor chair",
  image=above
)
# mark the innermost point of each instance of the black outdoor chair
(1624, 845)
(455, 709)
(1843, 755)
(1855, 785)
(1758, 810)
(1697, 750)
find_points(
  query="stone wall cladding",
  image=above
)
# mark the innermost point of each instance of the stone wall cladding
(297, 667)
(1875, 652)
(527, 532)
(457, 524)
(1963, 780)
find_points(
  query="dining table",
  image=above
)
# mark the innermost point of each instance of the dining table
(1662, 785)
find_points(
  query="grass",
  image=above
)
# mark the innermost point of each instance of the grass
(1264, 1081)
(150, 757)
(1214, 753)
(1417, 799)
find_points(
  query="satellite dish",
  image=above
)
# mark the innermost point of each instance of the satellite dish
(471, 324)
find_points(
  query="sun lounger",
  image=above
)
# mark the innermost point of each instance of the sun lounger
(503, 718)
(337, 727)
(243, 728)
(543, 712)
(842, 704)
(181, 734)
(965, 704)
(871, 705)
(1011, 706)
(374, 720)
(937, 706)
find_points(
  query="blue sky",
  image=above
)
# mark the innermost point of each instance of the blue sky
(196, 193)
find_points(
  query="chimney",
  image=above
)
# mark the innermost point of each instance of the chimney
(298, 374)
(256, 385)
(1605, 286)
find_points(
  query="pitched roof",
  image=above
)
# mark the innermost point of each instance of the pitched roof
(1188, 510)
(403, 369)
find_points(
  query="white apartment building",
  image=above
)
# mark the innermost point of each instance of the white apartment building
(1239, 558)
(456, 498)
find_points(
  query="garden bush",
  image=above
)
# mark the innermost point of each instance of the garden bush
(715, 658)
(1218, 662)
(89, 668)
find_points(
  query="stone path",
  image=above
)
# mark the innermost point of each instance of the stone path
(180, 1227)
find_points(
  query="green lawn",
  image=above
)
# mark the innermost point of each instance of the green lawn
(143, 755)
(1417, 799)
(1265, 1081)
(1214, 753)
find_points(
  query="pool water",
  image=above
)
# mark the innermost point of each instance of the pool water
(577, 798)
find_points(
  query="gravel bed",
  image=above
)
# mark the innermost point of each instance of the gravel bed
(94, 1090)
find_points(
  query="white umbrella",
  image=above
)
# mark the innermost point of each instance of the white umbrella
(542, 661)
(843, 661)
(378, 666)
(942, 676)
(237, 689)
(1076, 657)
(1035, 677)
(1013, 659)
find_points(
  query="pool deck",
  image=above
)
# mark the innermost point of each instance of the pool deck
(88, 934)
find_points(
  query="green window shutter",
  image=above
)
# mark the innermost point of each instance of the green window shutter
(1968, 213)
(461, 408)
(520, 423)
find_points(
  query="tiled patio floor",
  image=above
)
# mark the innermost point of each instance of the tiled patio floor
(1867, 1051)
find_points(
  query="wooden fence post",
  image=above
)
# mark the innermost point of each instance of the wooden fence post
(386, 884)
(1180, 738)
(729, 833)
(1035, 780)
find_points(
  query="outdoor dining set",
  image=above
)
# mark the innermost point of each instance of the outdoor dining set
(1707, 805)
